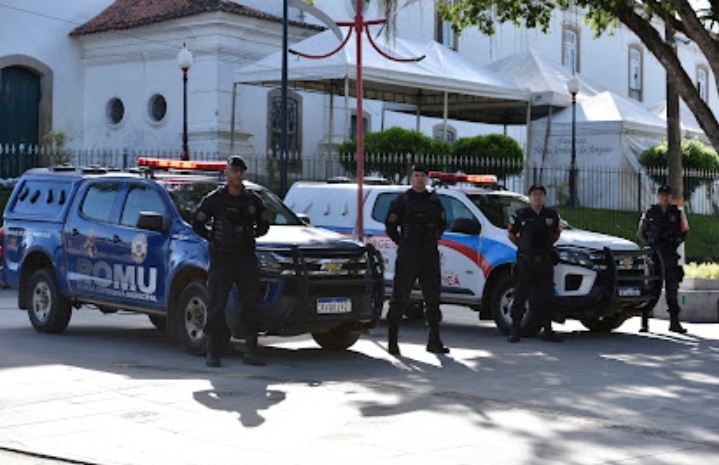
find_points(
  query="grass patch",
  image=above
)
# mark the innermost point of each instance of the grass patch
(702, 243)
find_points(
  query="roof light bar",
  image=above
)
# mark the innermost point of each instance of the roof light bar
(166, 164)
(471, 178)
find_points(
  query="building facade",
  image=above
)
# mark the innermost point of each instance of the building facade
(106, 73)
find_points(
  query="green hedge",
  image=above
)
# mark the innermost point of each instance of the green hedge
(702, 241)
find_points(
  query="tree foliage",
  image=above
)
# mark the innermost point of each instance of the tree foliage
(699, 161)
(643, 18)
(392, 152)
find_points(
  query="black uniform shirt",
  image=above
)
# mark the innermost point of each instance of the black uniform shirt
(663, 229)
(536, 231)
(236, 220)
(416, 219)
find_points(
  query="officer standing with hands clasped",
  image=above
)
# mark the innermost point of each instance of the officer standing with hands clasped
(664, 227)
(236, 216)
(415, 222)
(534, 230)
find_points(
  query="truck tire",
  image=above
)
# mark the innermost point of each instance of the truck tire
(603, 324)
(49, 311)
(501, 303)
(191, 317)
(337, 339)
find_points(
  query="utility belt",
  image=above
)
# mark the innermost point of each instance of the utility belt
(535, 256)
(239, 248)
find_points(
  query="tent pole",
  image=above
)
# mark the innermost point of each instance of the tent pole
(329, 136)
(446, 112)
(528, 145)
(232, 119)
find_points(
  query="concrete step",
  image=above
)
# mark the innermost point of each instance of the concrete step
(698, 306)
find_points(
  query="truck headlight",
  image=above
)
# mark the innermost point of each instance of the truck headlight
(576, 257)
(271, 261)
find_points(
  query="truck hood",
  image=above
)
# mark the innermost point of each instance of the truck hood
(284, 236)
(597, 241)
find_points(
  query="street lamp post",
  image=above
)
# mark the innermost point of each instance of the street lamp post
(573, 88)
(184, 61)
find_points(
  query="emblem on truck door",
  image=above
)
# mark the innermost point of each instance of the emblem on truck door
(138, 248)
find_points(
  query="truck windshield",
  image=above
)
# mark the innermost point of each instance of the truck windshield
(187, 197)
(498, 208)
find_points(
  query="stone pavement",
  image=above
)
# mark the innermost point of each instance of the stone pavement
(111, 391)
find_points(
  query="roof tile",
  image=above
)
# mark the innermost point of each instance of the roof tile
(127, 14)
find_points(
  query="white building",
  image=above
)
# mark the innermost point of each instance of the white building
(106, 72)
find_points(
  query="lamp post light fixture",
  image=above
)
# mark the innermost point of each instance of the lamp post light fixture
(184, 61)
(573, 88)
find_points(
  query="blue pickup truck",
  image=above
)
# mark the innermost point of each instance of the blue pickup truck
(122, 241)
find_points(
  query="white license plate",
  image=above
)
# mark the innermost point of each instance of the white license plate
(629, 291)
(339, 305)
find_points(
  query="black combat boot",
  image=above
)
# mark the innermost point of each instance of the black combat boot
(514, 333)
(645, 322)
(434, 343)
(550, 335)
(213, 352)
(392, 345)
(252, 355)
(674, 325)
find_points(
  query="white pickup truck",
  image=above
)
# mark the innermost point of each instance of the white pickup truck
(599, 279)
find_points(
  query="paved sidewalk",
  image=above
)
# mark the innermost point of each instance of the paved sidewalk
(110, 391)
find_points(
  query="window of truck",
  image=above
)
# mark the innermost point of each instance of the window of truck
(498, 208)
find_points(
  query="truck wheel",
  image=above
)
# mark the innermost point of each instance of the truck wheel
(160, 322)
(337, 339)
(49, 311)
(501, 302)
(191, 317)
(603, 324)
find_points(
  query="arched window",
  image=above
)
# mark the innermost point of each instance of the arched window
(636, 73)
(570, 48)
(703, 82)
(353, 125)
(438, 133)
(443, 32)
(294, 126)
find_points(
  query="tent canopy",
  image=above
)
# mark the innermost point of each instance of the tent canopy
(545, 78)
(472, 93)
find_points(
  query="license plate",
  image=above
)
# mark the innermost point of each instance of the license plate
(339, 305)
(629, 291)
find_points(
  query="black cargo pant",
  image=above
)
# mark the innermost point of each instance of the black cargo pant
(412, 264)
(534, 280)
(673, 275)
(226, 269)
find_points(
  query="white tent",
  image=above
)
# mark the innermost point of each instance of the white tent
(687, 120)
(611, 132)
(545, 78)
(442, 84)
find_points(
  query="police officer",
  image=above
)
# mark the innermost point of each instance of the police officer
(236, 216)
(415, 222)
(664, 227)
(534, 230)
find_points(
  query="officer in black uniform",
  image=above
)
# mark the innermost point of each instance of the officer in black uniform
(664, 227)
(415, 222)
(236, 216)
(534, 230)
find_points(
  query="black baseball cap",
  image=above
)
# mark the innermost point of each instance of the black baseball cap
(664, 189)
(420, 167)
(237, 162)
(535, 187)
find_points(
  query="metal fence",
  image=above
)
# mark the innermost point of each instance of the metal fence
(618, 188)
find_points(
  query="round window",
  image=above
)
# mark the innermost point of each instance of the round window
(157, 108)
(115, 111)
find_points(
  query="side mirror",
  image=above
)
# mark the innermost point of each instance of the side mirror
(304, 217)
(469, 226)
(151, 221)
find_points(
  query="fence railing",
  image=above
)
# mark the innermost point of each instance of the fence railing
(622, 188)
